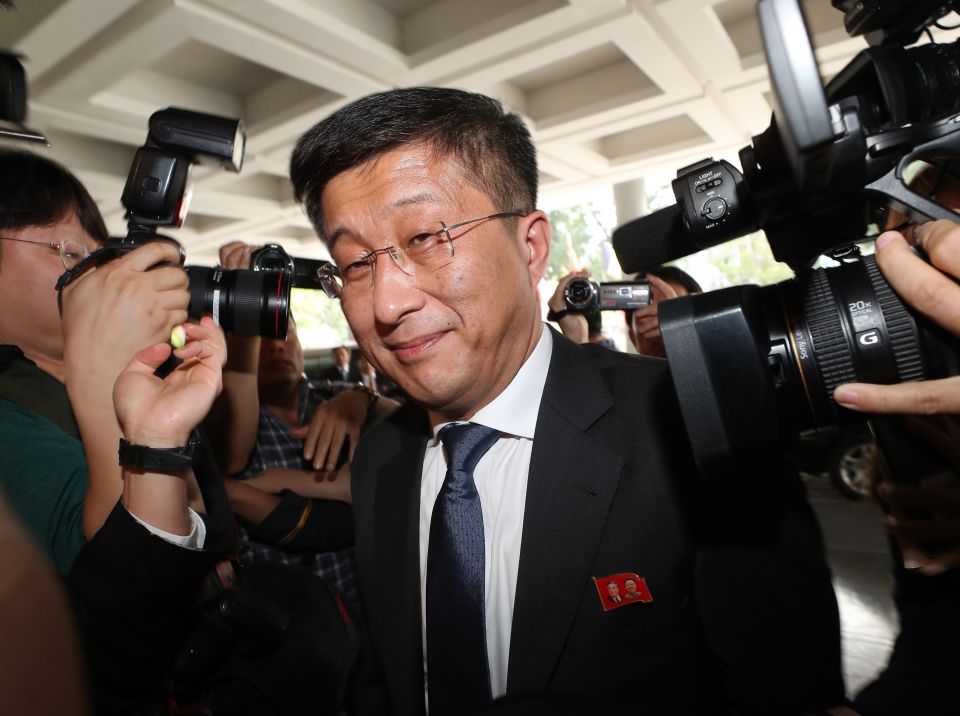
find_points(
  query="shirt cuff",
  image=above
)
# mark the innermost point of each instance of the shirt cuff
(194, 540)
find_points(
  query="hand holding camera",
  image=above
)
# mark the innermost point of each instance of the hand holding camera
(923, 503)
(236, 255)
(112, 312)
(572, 323)
(646, 325)
(932, 289)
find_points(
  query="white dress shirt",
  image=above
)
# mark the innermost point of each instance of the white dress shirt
(194, 540)
(501, 479)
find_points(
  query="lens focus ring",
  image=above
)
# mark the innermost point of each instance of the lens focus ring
(901, 327)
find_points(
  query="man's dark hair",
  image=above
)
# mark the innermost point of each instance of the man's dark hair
(672, 275)
(493, 146)
(35, 191)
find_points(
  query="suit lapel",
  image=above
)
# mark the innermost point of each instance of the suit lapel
(570, 487)
(397, 548)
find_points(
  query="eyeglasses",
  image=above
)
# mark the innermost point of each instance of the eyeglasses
(430, 248)
(72, 251)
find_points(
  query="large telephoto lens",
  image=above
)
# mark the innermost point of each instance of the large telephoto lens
(754, 366)
(845, 324)
(248, 303)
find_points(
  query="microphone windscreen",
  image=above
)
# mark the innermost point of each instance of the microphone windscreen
(651, 240)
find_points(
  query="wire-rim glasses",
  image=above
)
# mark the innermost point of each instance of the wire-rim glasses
(72, 251)
(430, 248)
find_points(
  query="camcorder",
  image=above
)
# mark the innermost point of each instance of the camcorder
(157, 193)
(754, 366)
(585, 296)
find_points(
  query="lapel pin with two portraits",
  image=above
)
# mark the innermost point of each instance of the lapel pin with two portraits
(619, 590)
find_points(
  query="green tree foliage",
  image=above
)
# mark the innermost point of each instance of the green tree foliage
(744, 260)
(581, 241)
(320, 321)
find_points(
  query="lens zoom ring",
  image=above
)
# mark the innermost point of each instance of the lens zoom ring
(901, 327)
(248, 300)
(829, 343)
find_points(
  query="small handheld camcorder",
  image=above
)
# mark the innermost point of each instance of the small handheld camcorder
(585, 296)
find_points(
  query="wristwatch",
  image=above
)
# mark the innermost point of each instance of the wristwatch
(143, 457)
(372, 397)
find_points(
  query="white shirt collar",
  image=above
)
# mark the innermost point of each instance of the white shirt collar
(515, 410)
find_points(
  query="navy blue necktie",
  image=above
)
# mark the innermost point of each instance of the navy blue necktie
(458, 673)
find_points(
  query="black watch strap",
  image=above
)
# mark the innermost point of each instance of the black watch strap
(147, 458)
(556, 315)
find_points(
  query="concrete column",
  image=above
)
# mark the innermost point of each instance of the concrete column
(631, 200)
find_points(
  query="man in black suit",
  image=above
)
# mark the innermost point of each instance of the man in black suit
(567, 464)
(341, 369)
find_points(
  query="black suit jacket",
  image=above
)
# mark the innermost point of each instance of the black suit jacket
(135, 599)
(743, 617)
(332, 372)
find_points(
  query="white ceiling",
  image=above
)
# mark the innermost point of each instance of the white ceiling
(612, 89)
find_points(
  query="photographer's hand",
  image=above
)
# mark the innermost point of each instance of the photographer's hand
(573, 325)
(110, 314)
(236, 255)
(340, 418)
(930, 289)
(942, 501)
(645, 322)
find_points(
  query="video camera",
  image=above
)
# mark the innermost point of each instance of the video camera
(585, 296)
(754, 366)
(157, 193)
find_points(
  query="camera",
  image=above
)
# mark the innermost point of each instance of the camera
(157, 193)
(585, 296)
(256, 302)
(754, 366)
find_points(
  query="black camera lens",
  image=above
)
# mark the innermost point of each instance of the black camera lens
(919, 83)
(845, 324)
(581, 296)
(754, 366)
(248, 303)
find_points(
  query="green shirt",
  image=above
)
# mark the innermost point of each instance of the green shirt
(43, 469)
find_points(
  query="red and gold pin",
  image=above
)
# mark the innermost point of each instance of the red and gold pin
(619, 590)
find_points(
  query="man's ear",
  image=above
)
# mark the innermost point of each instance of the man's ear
(537, 239)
